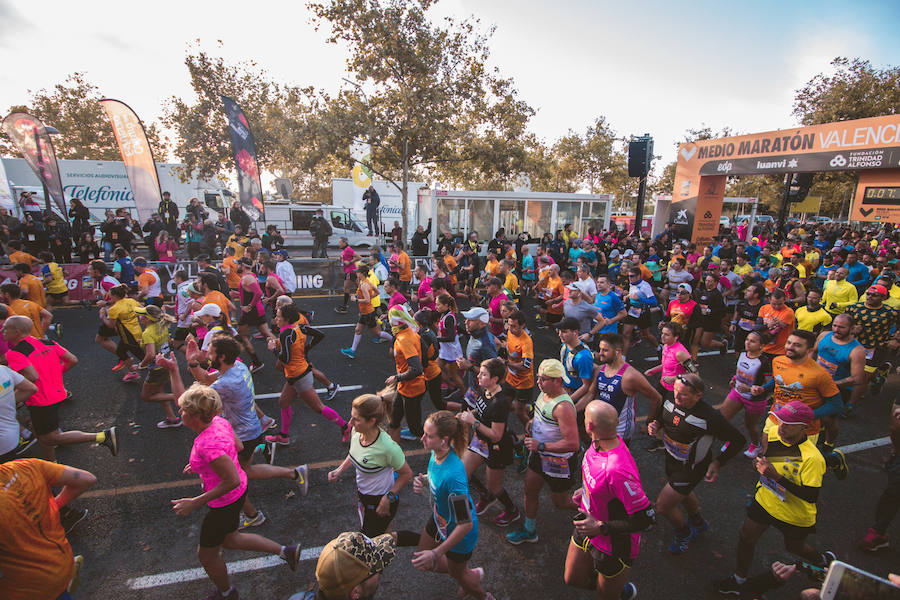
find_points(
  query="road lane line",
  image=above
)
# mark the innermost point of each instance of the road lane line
(314, 326)
(344, 388)
(867, 445)
(178, 483)
(240, 566)
(699, 354)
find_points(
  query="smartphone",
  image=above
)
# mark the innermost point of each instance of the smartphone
(460, 505)
(845, 582)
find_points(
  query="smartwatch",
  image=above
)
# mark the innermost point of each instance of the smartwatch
(541, 447)
(392, 497)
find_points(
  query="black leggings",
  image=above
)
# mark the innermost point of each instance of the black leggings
(433, 387)
(122, 350)
(411, 407)
(372, 523)
(889, 502)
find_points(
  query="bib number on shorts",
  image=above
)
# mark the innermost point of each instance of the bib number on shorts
(677, 450)
(870, 353)
(478, 446)
(555, 466)
(746, 324)
(635, 312)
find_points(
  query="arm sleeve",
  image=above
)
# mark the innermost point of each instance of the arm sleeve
(415, 369)
(633, 523)
(723, 430)
(804, 492)
(313, 335)
(286, 339)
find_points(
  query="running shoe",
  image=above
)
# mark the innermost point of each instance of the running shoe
(256, 368)
(25, 444)
(169, 424)
(119, 366)
(346, 431)
(629, 592)
(268, 452)
(696, 530)
(231, 594)
(348, 352)
(75, 581)
(333, 390)
(752, 451)
(484, 504)
(111, 441)
(279, 439)
(131, 376)
(406, 434)
(521, 536)
(267, 423)
(340, 309)
(728, 586)
(680, 542)
(873, 541)
(255, 521)
(378, 340)
(291, 555)
(70, 517)
(506, 518)
(841, 470)
(302, 481)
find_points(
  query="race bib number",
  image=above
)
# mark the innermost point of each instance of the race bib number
(746, 324)
(773, 486)
(555, 466)
(677, 450)
(634, 311)
(30, 238)
(478, 446)
(705, 310)
(470, 397)
(870, 353)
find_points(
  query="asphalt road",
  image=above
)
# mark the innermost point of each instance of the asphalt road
(132, 533)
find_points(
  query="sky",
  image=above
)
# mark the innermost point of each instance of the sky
(652, 67)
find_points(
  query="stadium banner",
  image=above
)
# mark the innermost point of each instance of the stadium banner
(137, 156)
(32, 139)
(245, 160)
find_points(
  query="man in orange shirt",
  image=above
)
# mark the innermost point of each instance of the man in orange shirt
(778, 319)
(229, 266)
(149, 283)
(519, 364)
(32, 287)
(206, 283)
(365, 291)
(403, 266)
(18, 256)
(410, 377)
(35, 557)
(553, 297)
(11, 295)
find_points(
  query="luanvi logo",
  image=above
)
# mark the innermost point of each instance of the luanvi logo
(688, 154)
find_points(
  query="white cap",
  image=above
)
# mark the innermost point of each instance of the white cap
(685, 286)
(209, 310)
(476, 314)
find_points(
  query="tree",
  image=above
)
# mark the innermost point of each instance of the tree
(85, 132)
(423, 95)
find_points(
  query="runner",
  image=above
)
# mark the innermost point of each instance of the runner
(424, 295)
(613, 511)
(709, 317)
(778, 319)
(612, 310)
(876, 329)
(43, 363)
(481, 347)
(746, 315)
(182, 307)
(214, 457)
(578, 362)
(403, 265)
(446, 543)
(290, 348)
(409, 377)
(839, 353)
(552, 440)
(520, 366)
(10, 295)
(155, 340)
(641, 300)
(32, 287)
(429, 347)
(551, 295)
(616, 382)
(365, 293)
(15, 391)
(149, 283)
(682, 310)
(448, 337)
(839, 293)
(35, 557)
(790, 476)
(381, 468)
(889, 501)
(122, 318)
(331, 388)
(54, 280)
(812, 317)
(754, 368)
(492, 443)
(689, 426)
(253, 313)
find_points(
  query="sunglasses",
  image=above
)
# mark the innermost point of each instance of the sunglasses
(683, 379)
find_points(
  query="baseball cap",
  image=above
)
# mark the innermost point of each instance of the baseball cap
(794, 413)
(152, 311)
(350, 559)
(573, 288)
(140, 261)
(629, 252)
(569, 324)
(879, 289)
(283, 253)
(551, 368)
(686, 287)
(209, 310)
(476, 314)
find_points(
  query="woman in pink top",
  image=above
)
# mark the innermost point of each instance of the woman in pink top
(675, 357)
(165, 247)
(214, 459)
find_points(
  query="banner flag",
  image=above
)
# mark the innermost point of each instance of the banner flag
(361, 153)
(245, 160)
(137, 156)
(32, 140)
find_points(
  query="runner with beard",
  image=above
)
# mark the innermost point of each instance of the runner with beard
(746, 315)
(841, 354)
(253, 312)
(876, 329)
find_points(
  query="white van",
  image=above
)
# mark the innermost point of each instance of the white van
(293, 219)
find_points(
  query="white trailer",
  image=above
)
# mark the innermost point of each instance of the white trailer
(345, 193)
(103, 184)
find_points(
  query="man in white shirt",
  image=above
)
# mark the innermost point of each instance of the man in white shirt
(586, 284)
(285, 270)
(13, 388)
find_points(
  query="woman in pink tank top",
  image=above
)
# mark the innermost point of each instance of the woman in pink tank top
(674, 356)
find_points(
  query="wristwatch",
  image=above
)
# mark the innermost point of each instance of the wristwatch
(541, 447)
(392, 497)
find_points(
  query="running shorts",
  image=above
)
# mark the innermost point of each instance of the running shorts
(604, 564)
(758, 514)
(371, 523)
(497, 456)
(525, 396)
(157, 377)
(44, 419)
(641, 322)
(302, 383)
(450, 351)
(369, 320)
(106, 331)
(879, 355)
(220, 522)
(58, 295)
(684, 478)
(554, 318)
(457, 557)
(751, 407)
(246, 453)
(558, 482)
(252, 318)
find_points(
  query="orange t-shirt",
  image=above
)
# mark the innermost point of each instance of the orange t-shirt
(451, 266)
(432, 369)
(147, 279)
(809, 383)
(407, 345)
(492, 268)
(520, 347)
(231, 277)
(365, 307)
(30, 310)
(555, 288)
(35, 557)
(405, 266)
(786, 317)
(218, 298)
(34, 289)
(22, 257)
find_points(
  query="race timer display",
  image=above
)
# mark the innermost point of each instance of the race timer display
(882, 195)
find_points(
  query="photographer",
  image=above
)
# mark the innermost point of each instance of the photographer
(272, 239)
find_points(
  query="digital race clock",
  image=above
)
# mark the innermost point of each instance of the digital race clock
(882, 195)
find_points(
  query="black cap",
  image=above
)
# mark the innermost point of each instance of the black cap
(569, 324)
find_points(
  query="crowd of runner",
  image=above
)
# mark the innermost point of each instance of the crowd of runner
(813, 323)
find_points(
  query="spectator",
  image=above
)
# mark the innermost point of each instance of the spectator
(165, 247)
(80, 217)
(272, 239)
(152, 228)
(419, 243)
(195, 208)
(194, 230)
(224, 229)
(87, 248)
(208, 236)
(372, 201)
(239, 217)
(397, 232)
(320, 229)
(168, 212)
(59, 238)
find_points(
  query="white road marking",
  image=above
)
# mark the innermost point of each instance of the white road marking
(699, 354)
(344, 388)
(867, 445)
(314, 326)
(240, 566)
